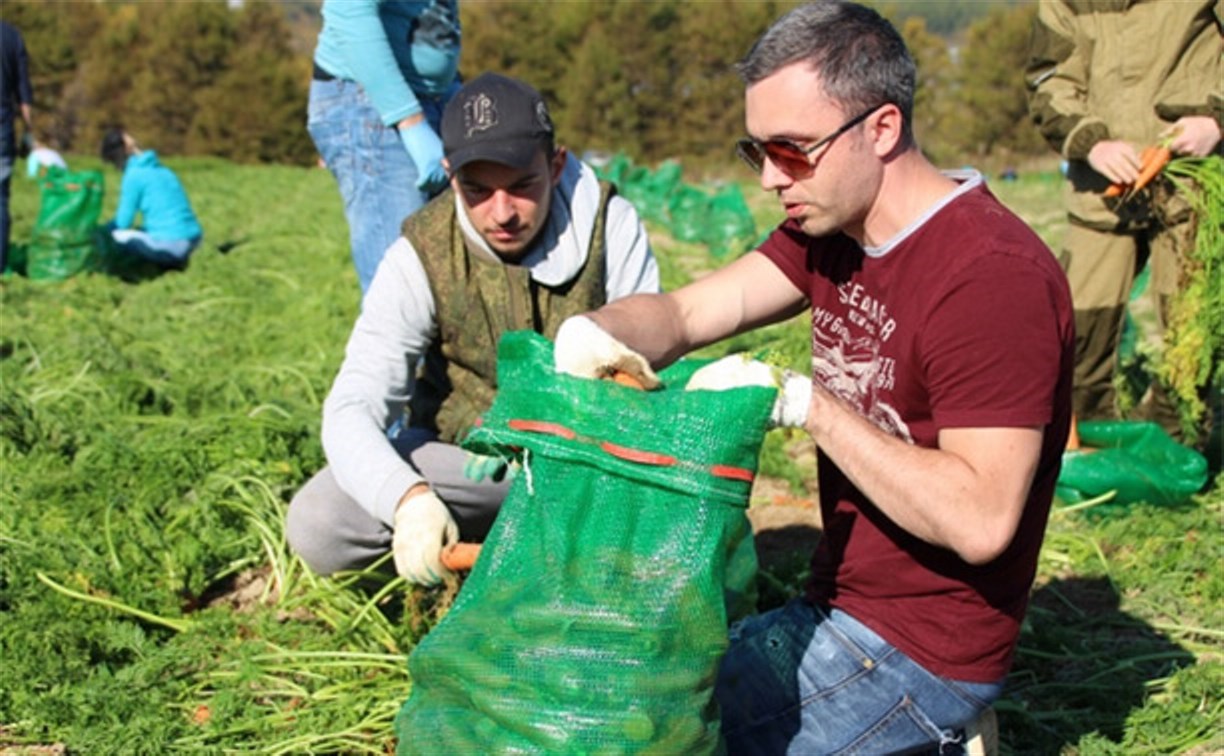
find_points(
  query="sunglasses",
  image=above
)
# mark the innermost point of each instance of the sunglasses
(792, 159)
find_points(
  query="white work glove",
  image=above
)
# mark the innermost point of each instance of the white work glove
(585, 350)
(423, 526)
(736, 370)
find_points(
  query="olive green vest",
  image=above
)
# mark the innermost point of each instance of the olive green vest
(477, 300)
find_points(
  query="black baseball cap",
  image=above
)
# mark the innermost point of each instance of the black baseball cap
(495, 118)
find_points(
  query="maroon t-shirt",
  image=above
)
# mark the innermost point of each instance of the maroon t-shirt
(963, 320)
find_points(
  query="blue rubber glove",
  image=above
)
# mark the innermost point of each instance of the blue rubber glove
(425, 149)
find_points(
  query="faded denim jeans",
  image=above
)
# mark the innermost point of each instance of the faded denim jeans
(808, 680)
(377, 178)
(169, 253)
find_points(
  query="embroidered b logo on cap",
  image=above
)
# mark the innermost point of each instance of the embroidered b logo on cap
(479, 114)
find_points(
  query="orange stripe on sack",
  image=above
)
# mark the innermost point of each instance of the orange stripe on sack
(539, 426)
(637, 455)
(734, 473)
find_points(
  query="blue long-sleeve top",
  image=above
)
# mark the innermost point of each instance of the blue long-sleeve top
(393, 48)
(155, 192)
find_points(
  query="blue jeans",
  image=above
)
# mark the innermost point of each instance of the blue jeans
(807, 680)
(169, 253)
(377, 178)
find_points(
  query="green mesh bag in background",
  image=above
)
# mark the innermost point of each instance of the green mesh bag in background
(64, 240)
(596, 616)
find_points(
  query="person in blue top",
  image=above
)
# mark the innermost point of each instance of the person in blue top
(169, 230)
(383, 72)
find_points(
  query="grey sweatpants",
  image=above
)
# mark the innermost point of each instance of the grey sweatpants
(330, 531)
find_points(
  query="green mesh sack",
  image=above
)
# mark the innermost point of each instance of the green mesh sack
(596, 616)
(615, 170)
(729, 227)
(1136, 461)
(63, 242)
(649, 190)
(688, 213)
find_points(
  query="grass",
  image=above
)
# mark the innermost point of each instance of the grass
(151, 433)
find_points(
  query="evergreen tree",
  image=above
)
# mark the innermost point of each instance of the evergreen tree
(56, 35)
(182, 59)
(255, 111)
(932, 93)
(992, 92)
(708, 97)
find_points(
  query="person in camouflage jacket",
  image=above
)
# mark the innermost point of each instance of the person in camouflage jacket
(1107, 78)
(525, 236)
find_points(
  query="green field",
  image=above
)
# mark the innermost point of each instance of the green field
(152, 432)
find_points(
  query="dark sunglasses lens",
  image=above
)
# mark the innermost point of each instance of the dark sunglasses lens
(789, 158)
(751, 153)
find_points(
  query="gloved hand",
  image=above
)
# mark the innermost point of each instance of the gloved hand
(425, 149)
(477, 467)
(423, 525)
(585, 350)
(733, 371)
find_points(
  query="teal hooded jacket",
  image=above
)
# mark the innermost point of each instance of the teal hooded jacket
(153, 191)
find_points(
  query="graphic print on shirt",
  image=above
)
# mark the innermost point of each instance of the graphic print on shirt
(847, 359)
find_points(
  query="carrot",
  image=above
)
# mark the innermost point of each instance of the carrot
(1152, 159)
(626, 379)
(459, 557)
(1155, 163)
(1073, 439)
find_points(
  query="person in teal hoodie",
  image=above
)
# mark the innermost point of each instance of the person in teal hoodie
(169, 231)
(383, 72)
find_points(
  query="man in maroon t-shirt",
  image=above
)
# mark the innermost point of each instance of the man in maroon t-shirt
(939, 399)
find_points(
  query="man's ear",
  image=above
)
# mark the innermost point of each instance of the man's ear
(888, 127)
(558, 163)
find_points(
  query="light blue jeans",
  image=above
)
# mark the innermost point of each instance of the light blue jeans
(377, 178)
(806, 680)
(169, 253)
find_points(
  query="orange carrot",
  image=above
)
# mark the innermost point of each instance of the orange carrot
(626, 379)
(460, 557)
(1157, 160)
(1073, 439)
(1152, 159)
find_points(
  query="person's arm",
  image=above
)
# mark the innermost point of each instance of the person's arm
(370, 60)
(1057, 79)
(992, 377)
(130, 189)
(748, 293)
(966, 496)
(374, 383)
(25, 92)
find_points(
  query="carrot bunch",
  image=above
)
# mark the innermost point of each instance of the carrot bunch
(1152, 160)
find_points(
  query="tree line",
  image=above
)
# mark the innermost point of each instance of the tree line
(651, 79)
